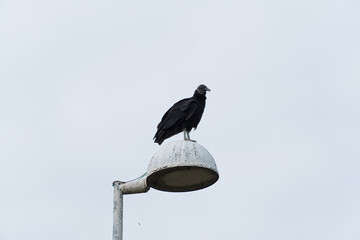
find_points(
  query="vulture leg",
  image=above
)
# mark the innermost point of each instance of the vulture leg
(186, 135)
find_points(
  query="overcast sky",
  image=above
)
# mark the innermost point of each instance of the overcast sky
(83, 85)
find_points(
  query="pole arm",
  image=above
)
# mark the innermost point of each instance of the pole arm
(138, 185)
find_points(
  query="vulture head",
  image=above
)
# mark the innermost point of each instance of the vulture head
(202, 89)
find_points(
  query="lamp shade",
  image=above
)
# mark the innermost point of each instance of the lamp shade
(181, 166)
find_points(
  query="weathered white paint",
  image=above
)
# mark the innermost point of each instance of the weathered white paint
(118, 211)
(120, 188)
(177, 167)
(138, 185)
(181, 166)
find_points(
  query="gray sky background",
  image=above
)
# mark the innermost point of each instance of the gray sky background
(83, 85)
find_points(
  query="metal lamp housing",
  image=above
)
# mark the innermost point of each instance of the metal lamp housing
(181, 166)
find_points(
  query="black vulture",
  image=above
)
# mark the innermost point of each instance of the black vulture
(182, 116)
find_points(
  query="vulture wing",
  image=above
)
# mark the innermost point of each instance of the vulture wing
(178, 113)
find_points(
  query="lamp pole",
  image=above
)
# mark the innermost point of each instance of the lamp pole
(137, 185)
(118, 211)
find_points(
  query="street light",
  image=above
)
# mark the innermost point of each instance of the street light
(179, 166)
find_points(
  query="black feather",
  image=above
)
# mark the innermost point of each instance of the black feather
(185, 114)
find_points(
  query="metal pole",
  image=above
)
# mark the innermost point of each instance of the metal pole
(137, 185)
(118, 211)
